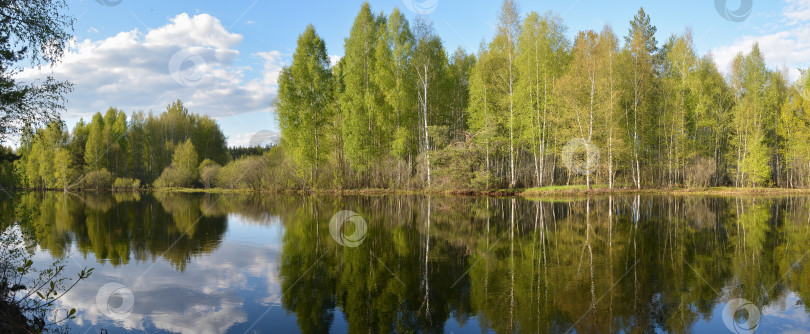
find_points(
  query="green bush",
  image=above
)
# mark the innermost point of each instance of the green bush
(250, 172)
(208, 172)
(100, 179)
(126, 183)
(457, 167)
(175, 177)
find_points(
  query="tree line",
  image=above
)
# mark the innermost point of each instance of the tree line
(112, 150)
(398, 111)
(531, 108)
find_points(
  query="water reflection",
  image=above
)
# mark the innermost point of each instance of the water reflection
(219, 263)
(120, 227)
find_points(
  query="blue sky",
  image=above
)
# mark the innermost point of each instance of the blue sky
(221, 58)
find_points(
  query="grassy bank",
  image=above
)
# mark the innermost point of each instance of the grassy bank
(604, 190)
(549, 191)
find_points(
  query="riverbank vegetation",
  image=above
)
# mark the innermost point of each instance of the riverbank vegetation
(537, 106)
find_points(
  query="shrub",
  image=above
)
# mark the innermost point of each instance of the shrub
(455, 167)
(281, 171)
(174, 177)
(249, 172)
(126, 183)
(28, 292)
(700, 171)
(100, 179)
(208, 172)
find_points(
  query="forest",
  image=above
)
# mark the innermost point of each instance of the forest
(531, 108)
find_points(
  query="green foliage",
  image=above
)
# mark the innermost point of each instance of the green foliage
(755, 117)
(402, 144)
(304, 102)
(38, 153)
(457, 167)
(394, 76)
(36, 33)
(208, 172)
(185, 158)
(657, 114)
(64, 173)
(95, 150)
(362, 101)
(99, 179)
(9, 176)
(35, 310)
(183, 172)
(755, 164)
(249, 172)
(126, 184)
(240, 152)
(137, 148)
(174, 177)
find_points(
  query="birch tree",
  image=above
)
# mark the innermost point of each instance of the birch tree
(582, 91)
(361, 97)
(609, 52)
(429, 63)
(504, 45)
(393, 75)
(640, 48)
(304, 99)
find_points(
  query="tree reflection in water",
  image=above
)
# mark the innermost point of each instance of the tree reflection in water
(600, 264)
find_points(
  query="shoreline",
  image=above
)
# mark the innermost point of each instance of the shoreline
(549, 191)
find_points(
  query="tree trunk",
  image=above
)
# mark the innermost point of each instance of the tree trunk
(427, 138)
(512, 181)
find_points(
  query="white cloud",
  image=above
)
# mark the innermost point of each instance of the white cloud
(132, 71)
(789, 47)
(204, 299)
(257, 138)
(272, 66)
(334, 59)
(798, 10)
(200, 30)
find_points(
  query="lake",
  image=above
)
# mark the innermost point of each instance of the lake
(227, 263)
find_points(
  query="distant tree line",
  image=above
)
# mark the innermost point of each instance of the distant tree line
(245, 151)
(174, 149)
(113, 150)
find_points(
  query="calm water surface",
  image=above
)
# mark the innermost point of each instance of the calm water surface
(192, 263)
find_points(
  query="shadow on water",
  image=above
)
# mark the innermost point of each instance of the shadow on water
(435, 264)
